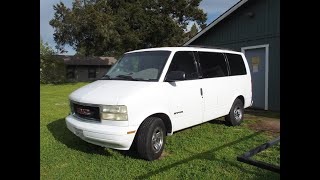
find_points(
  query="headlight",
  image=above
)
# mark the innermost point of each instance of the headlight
(117, 113)
(71, 107)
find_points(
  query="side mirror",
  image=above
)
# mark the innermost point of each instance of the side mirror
(175, 76)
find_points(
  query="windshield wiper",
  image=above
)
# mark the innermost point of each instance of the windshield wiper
(105, 77)
(126, 77)
(122, 77)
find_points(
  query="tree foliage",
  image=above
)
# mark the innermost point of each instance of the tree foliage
(52, 69)
(111, 27)
(193, 31)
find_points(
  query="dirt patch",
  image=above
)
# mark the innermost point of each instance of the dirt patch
(164, 154)
(268, 125)
(262, 113)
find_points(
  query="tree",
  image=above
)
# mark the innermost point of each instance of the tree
(111, 27)
(193, 31)
(52, 69)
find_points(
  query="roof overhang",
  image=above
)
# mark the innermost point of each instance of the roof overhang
(220, 18)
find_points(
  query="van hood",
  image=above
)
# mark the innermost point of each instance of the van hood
(108, 92)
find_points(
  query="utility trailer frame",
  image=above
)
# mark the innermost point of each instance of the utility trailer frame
(245, 158)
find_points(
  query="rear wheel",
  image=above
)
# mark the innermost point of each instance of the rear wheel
(151, 138)
(235, 116)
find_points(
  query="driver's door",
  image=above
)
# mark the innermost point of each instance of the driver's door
(185, 98)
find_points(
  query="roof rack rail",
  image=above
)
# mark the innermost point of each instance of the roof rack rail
(209, 47)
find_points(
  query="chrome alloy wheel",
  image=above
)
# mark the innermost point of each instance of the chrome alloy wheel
(237, 113)
(157, 139)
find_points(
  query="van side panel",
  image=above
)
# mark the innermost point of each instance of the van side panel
(216, 95)
(219, 93)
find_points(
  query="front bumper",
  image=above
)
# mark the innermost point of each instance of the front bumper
(114, 137)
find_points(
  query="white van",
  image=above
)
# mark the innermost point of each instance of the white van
(151, 93)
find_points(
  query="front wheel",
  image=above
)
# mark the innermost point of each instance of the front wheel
(151, 138)
(235, 116)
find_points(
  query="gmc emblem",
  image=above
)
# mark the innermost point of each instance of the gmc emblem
(83, 111)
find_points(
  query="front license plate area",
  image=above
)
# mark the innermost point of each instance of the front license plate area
(78, 132)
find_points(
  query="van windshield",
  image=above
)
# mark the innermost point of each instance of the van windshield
(139, 66)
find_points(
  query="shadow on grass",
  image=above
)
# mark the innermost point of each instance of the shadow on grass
(208, 155)
(219, 121)
(62, 134)
(132, 153)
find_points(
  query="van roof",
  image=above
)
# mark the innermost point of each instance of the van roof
(188, 48)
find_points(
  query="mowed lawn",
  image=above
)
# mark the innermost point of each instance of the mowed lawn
(206, 151)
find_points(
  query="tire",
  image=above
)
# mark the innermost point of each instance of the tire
(235, 116)
(149, 145)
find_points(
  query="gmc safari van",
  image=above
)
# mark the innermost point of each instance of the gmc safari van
(151, 93)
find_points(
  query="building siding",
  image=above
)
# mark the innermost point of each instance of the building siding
(81, 73)
(239, 30)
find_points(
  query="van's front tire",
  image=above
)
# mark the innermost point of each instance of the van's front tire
(151, 138)
(235, 116)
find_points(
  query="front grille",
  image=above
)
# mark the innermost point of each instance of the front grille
(86, 112)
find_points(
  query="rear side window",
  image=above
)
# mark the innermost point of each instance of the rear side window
(184, 61)
(212, 64)
(236, 64)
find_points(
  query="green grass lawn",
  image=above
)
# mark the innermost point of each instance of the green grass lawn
(206, 151)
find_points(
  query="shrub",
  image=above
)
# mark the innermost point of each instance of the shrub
(52, 68)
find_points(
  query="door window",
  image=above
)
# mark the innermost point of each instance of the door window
(212, 64)
(236, 64)
(184, 61)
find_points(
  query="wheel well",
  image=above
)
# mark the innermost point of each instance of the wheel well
(241, 98)
(166, 120)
